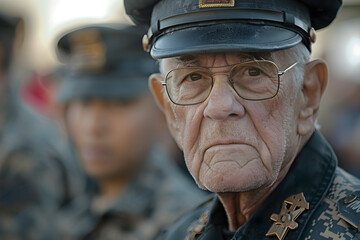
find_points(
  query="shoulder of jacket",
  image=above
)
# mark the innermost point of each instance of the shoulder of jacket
(343, 185)
(346, 195)
(338, 215)
(179, 229)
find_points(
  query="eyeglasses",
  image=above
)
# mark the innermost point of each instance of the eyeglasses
(252, 80)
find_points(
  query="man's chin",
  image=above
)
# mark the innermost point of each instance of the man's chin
(228, 188)
(100, 175)
(230, 182)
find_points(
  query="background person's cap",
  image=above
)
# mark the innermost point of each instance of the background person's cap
(104, 61)
(181, 27)
(7, 21)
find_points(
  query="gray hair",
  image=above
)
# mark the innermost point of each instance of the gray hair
(302, 55)
(299, 54)
(161, 67)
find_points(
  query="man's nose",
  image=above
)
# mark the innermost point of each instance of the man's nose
(223, 101)
(95, 121)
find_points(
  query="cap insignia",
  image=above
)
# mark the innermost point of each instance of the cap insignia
(216, 3)
(88, 50)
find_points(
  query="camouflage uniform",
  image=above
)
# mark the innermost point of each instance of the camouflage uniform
(34, 181)
(315, 174)
(33, 176)
(157, 195)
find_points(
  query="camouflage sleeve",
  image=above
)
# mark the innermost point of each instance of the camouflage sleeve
(326, 222)
(25, 213)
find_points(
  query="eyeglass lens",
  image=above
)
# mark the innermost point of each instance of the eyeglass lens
(256, 80)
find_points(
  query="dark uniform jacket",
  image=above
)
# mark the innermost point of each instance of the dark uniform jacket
(313, 173)
(158, 194)
(33, 176)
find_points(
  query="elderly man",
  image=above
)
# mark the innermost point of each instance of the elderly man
(109, 115)
(241, 98)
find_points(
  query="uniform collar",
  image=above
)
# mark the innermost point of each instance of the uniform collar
(134, 203)
(138, 196)
(311, 173)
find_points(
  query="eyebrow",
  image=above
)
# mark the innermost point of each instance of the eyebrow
(188, 61)
(254, 56)
(193, 61)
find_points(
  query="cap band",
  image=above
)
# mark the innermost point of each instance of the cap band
(231, 14)
(257, 15)
(110, 87)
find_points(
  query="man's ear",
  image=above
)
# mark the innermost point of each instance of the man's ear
(315, 81)
(158, 90)
(163, 101)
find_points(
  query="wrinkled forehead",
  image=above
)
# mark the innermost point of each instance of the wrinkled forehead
(208, 60)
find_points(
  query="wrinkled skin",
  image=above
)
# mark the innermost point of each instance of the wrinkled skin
(237, 148)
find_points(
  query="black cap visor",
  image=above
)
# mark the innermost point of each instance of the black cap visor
(223, 37)
(89, 86)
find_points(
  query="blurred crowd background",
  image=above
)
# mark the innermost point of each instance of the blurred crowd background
(338, 45)
(35, 72)
(90, 158)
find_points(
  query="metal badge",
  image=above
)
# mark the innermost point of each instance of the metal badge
(216, 3)
(349, 209)
(198, 227)
(291, 209)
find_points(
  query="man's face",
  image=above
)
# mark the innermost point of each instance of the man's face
(111, 137)
(231, 144)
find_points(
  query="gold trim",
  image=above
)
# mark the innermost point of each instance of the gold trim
(218, 3)
(146, 43)
(312, 35)
(88, 50)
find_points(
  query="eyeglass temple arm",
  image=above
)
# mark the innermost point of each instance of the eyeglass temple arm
(163, 83)
(283, 72)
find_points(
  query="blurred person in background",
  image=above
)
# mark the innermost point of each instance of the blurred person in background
(111, 119)
(34, 181)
